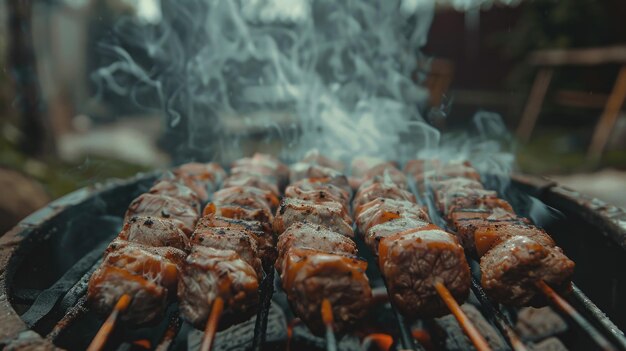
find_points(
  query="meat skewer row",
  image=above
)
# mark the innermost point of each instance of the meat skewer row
(413, 254)
(424, 267)
(514, 254)
(317, 258)
(232, 246)
(141, 266)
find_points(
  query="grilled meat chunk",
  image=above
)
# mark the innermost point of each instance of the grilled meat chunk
(309, 276)
(465, 223)
(178, 191)
(318, 193)
(314, 237)
(209, 273)
(488, 235)
(204, 174)
(330, 215)
(107, 285)
(261, 214)
(268, 162)
(412, 261)
(385, 173)
(247, 180)
(151, 205)
(374, 191)
(228, 238)
(319, 174)
(154, 231)
(384, 230)
(511, 269)
(160, 265)
(383, 210)
(265, 239)
(464, 199)
(246, 196)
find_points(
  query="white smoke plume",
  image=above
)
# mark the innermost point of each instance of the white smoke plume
(340, 69)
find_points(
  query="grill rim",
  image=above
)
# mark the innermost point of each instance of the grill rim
(597, 213)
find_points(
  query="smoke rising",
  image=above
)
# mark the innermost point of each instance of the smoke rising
(341, 71)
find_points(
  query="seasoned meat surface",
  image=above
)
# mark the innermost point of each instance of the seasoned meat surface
(313, 237)
(330, 215)
(265, 239)
(319, 174)
(151, 205)
(209, 273)
(386, 173)
(241, 179)
(380, 190)
(491, 233)
(310, 276)
(261, 214)
(246, 196)
(159, 265)
(228, 238)
(154, 231)
(107, 285)
(178, 191)
(383, 210)
(384, 230)
(511, 270)
(412, 262)
(318, 193)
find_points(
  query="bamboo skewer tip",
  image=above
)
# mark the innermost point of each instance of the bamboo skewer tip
(211, 326)
(466, 324)
(103, 334)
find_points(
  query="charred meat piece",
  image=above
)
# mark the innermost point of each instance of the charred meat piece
(154, 231)
(383, 210)
(178, 191)
(228, 238)
(318, 193)
(246, 180)
(380, 190)
(386, 173)
(463, 199)
(465, 223)
(492, 233)
(209, 273)
(204, 174)
(159, 265)
(265, 239)
(384, 230)
(107, 285)
(330, 215)
(150, 205)
(261, 214)
(412, 261)
(277, 168)
(315, 157)
(310, 276)
(246, 196)
(511, 269)
(319, 174)
(314, 237)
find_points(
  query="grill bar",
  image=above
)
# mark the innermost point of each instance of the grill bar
(593, 310)
(567, 309)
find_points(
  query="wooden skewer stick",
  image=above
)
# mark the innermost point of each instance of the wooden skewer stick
(570, 311)
(327, 318)
(477, 339)
(102, 336)
(211, 325)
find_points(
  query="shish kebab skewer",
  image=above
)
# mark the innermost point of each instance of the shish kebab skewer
(514, 254)
(424, 267)
(317, 257)
(232, 247)
(140, 267)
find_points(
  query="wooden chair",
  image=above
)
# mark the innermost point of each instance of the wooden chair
(548, 61)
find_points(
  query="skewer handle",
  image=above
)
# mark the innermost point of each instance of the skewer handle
(211, 325)
(477, 339)
(103, 334)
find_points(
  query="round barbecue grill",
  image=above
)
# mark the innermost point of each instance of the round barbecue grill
(46, 260)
